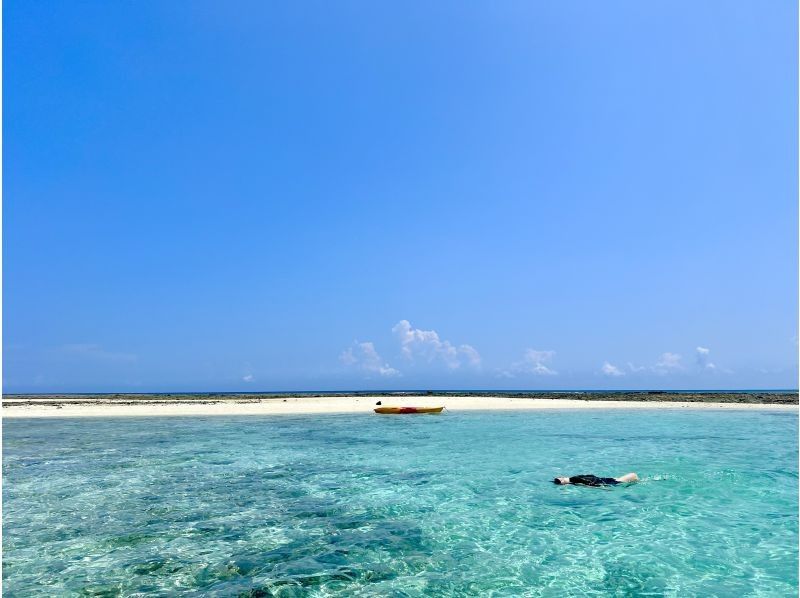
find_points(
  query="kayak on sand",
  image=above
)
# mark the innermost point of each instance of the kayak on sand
(403, 410)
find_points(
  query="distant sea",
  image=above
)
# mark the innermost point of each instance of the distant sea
(364, 505)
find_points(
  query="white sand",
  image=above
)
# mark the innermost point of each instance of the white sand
(320, 405)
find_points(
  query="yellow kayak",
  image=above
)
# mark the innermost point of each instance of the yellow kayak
(403, 410)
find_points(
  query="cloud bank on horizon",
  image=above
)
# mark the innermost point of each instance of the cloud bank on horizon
(415, 346)
(667, 363)
(412, 357)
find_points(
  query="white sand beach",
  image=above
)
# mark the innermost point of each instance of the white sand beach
(104, 407)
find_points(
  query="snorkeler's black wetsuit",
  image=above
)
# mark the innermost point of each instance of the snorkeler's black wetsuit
(592, 480)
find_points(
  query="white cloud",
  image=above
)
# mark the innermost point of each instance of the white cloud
(702, 357)
(364, 357)
(672, 362)
(471, 355)
(248, 378)
(668, 362)
(427, 345)
(348, 357)
(532, 362)
(611, 370)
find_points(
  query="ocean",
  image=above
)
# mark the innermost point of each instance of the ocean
(459, 504)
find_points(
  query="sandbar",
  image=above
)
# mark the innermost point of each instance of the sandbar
(20, 406)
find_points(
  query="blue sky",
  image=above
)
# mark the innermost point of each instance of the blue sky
(304, 196)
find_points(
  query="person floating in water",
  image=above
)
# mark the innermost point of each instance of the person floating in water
(588, 479)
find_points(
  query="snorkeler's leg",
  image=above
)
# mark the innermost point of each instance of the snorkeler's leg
(628, 477)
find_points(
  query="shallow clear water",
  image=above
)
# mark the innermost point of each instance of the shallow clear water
(457, 504)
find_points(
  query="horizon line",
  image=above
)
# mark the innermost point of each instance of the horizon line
(410, 391)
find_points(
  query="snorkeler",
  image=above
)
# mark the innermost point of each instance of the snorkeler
(592, 480)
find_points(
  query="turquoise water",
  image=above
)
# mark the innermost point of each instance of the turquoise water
(457, 504)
